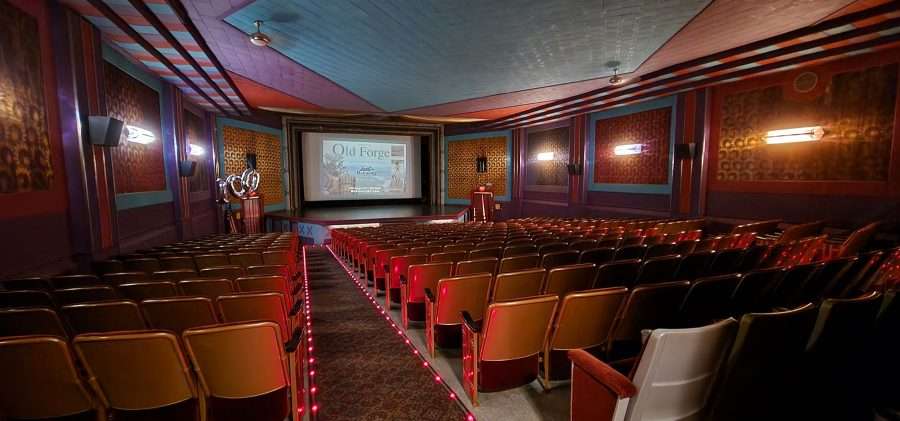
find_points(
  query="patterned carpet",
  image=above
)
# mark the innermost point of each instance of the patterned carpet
(364, 370)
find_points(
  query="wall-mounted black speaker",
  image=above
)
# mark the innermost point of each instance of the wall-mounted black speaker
(187, 168)
(481, 164)
(575, 169)
(250, 159)
(685, 150)
(104, 130)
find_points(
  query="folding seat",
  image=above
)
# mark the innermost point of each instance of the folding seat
(629, 241)
(559, 258)
(494, 252)
(831, 271)
(383, 263)
(177, 262)
(445, 304)
(583, 321)
(541, 240)
(422, 276)
(857, 279)
(222, 272)
(857, 240)
(519, 241)
(277, 257)
(566, 279)
(708, 300)
(489, 244)
(502, 352)
(268, 283)
(179, 314)
(646, 307)
(209, 288)
(658, 269)
(726, 261)
(259, 306)
(685, 247)
(441, 243)
(583, 244)
(597, 256)
(750, 294)
(174, 275)
(145, 264)
(31, 321)
(30, 283)
(659, 250)
(460, 247)
(103, 267)
(268, 270)
(147, 290)
(552, 248)
(753, 257)
(139, 375)
(517, 263)
(211, 260)
(245, 259)
(426, 250)
(694, 265)
(519, 250)
(398, 275)
(516, 285)
(447, 256)
(75, 281)
(118, 278)
(368, 259)
(621, 273)
(635, 251)
(83, 295)
(108, 316)
(25, 298)
(469, 267)
(40, 381)
(788, 291)
(760, 377)
(609, 241)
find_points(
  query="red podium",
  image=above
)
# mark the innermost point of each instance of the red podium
(252, 214)
(482, 204)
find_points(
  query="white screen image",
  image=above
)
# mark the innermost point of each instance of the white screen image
(343, 166)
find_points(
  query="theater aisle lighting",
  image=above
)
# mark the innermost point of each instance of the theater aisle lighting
(412, 348)
(139, 135)
(795, 135)
(310, 347)
(196, 150)
(630, 149)
(545, 156)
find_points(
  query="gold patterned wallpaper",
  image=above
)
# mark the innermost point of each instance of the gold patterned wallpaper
(856, 109)
(238, 142)
(461, 175)
(24, 137)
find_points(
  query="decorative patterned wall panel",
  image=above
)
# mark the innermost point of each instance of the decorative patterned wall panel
(137, 167)
(548, 173)
(461, 174)
(24, 137)
(195, 134)
(650, 128)
(238, 142)
(856, 109)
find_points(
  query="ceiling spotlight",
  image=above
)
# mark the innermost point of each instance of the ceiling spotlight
(258, 38)
(616, 79)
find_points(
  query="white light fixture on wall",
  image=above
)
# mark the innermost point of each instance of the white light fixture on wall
(139, 135)
(630, 149)
(545, 156)
(799, 134)
(196, 150)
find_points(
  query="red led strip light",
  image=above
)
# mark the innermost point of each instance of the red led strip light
(311, 361)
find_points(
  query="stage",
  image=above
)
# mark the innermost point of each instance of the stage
(313, 224)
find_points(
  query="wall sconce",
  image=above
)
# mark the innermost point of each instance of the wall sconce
(630, 149)
(196, 150)
(799, 134)
(104, 130)
(545, 156)
(139, 135)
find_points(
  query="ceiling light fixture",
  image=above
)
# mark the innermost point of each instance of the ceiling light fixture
(616, 79)
(258, 38)
(799, 134)
(631, 149)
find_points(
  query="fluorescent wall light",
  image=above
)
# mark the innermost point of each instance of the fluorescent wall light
(631, 149)
(196, 150)
(139, 135)
(545, 156)
(799, 134)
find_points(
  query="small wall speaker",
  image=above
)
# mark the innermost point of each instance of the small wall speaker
(104, 130)
(685, 150)
(481, 164)
(187, 168)
(575, 169)
(250, 159)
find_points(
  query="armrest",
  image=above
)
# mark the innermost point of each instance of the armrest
(429, 295)
(387, 269)
(603, 374)
(296, 338)
(298, 305)
(474, 326)
(402, 279)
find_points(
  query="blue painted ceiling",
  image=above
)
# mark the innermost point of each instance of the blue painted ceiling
(402, 54)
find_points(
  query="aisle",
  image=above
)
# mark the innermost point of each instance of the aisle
(365, 371)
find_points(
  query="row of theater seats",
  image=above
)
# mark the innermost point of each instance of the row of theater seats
(242, 338)
(468, 299)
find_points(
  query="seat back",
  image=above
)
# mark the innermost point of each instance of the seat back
(107, 316)
(583, 244)
(636, 251)
(677, 370)
(267, 270)
(519, 250)
(517, 329)
(426, 276)
(75, 281)
(492, 252)
(204, 261)
(726, 261)
(103, 267)
(209, 288)
(658, 269)
(464, 247)
(178, 314)
(30, 321)
(517, 285)
(25, 298)
(383, 259)
(174, 275)
(597, 256)
(789, 289)
(649, 307)
(238, 361)
(136, 371)
(857, 240)
(566, 279)
(252, 307)
(585, 318)
(659, 250)
(461, 293)
(144, 264)
(263, 284)
(426, 250)
(559, 258)
(843, 324)
(447, 256)
(801, 231)
(83, 295)
(750, 294)
(40, 380)
(231, 272)
(276, 257)
(694, 265)
(622, 273)
(552, 248)
(831, 271)
(145, 290)
(177, 262)
(244, 259)
(400, 267)
(753, 257)
(709, 299)
(470, 267)
(119, 278)
(30, 283)
(519, 263)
